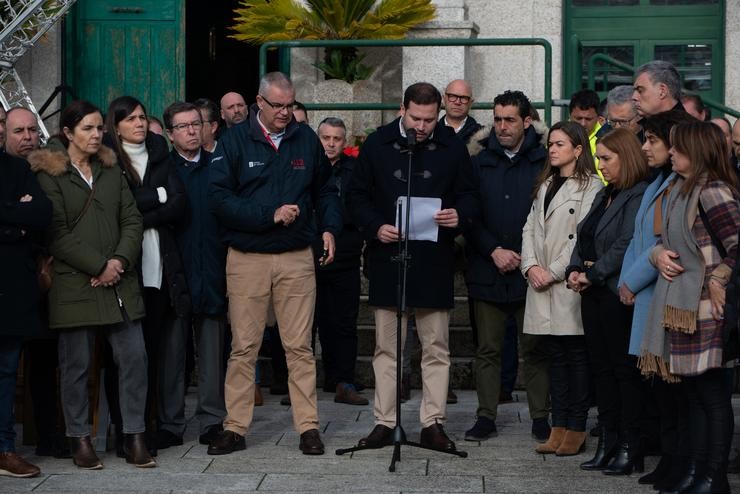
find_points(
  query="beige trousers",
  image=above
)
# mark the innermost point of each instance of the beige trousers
(252, 281)
(432, 326)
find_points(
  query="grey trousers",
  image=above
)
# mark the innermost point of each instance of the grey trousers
(209, 334)
(129, 355)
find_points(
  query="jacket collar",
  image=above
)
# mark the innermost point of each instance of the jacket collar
(391, 133)
(531, 147)
(54, 160)
(619, 201)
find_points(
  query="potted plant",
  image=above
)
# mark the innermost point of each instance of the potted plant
(259, 21)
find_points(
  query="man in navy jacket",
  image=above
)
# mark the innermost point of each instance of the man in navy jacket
(269, 175)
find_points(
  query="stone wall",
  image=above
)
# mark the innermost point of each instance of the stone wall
(732, 54)
(41, 71)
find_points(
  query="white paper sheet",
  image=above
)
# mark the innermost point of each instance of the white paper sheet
(422, 222)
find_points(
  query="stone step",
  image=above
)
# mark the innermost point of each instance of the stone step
(461, 341)
(459, 316)
(461, 372)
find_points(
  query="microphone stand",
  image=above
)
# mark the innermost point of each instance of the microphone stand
(402, 259)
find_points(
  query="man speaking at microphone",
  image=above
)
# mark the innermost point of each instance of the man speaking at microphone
(440, 170)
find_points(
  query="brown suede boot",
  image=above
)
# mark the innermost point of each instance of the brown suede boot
(553, 442)
(573, 443)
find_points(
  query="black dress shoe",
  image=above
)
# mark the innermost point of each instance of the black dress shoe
(226, 442)
(163, 439)
(434, 437)
(608, 443)
(134, 447)
(210, 434)
(626, 459)
(380, 436)
(311, 443)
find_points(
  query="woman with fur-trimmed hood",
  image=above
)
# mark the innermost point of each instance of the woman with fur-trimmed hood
(95, 234)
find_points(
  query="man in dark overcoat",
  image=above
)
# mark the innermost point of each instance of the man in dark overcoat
(441, 169)
(24, 211)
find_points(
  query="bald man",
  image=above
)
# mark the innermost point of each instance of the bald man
(233, 108)
(458, 98)
(21, 132)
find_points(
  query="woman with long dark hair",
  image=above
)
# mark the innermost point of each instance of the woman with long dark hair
(695, 257)
(636, 287)
(603, 237)
(95, 240)
(563, 195)
(161, 199)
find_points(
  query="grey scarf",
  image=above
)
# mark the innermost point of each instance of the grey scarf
(675, 304)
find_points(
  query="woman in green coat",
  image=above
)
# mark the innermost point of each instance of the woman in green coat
(95, 239)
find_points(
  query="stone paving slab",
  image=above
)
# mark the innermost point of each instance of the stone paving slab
(272, 462)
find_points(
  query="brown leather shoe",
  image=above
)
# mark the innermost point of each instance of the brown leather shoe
(258, 399)
(134, 447)
(346, 393)
(553, 442)
(434, 437)
(227, 442)
(380, 436)
(83, 454)
(12, 465)
(311, 443)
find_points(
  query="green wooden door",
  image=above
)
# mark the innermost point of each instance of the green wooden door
(127, 47)
(688, 33)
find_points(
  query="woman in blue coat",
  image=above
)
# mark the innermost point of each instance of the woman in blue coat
(637, 283)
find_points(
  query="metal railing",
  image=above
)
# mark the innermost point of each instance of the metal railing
(600, 57)
(546, 104)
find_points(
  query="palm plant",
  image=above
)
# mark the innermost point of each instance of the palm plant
(258, 21)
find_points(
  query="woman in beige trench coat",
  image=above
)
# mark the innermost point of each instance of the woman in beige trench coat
(564, 194)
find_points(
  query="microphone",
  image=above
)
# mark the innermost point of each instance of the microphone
(411, 137)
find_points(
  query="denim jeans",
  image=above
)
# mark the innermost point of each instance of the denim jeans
(10, 352)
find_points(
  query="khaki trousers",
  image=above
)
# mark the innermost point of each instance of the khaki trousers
(432, 326)
(252, 281)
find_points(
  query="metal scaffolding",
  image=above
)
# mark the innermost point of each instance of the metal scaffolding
(22, 23)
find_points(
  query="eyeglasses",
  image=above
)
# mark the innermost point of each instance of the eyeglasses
(183, 126)
(454, 98)
(621, 123)
(278, 107)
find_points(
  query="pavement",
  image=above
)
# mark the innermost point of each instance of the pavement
(272, 462)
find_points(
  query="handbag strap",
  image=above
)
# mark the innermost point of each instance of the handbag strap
(84, 208)
(712, 235)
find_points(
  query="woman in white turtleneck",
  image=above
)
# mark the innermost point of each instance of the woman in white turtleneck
(161, 199)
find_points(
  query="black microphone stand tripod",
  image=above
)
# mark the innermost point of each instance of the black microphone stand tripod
(402, 259)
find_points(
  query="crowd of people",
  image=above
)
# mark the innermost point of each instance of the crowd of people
(607, 244)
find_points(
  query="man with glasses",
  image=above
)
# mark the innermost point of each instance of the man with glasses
(621, 110)
(209, 113)
(458, 98)
(204, 259)
(233, 109)
(269, 187)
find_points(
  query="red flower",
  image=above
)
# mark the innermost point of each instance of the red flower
(352, 151)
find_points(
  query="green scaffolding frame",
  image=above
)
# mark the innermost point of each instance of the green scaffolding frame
(284, 63)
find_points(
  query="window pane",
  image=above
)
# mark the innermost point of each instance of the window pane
(608, 76)
(605, 3)
(694, 62)
(684, 2)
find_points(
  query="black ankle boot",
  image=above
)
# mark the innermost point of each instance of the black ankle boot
(679, 466)
(627, 458)
(691, 475)
(710, 484)
(604, 451)
(660, 472)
